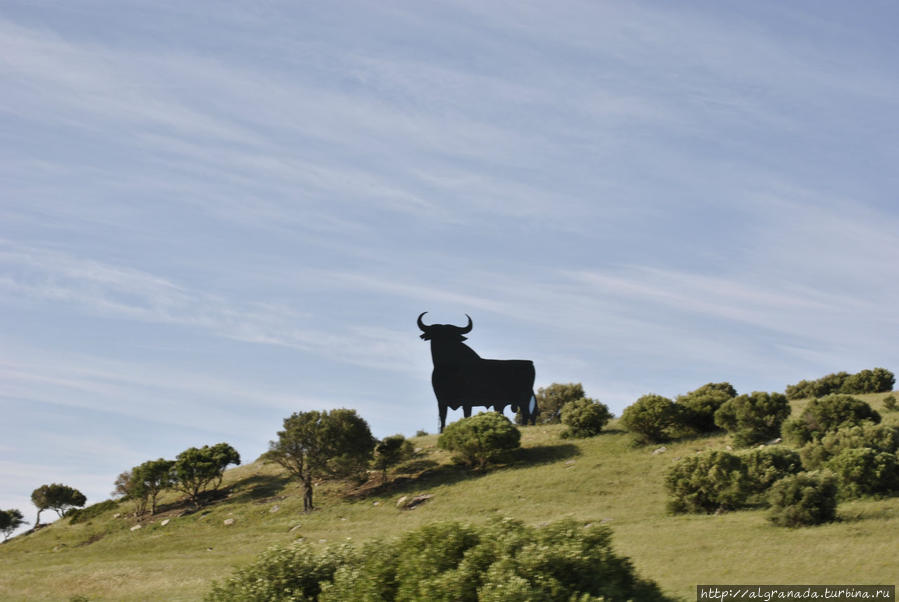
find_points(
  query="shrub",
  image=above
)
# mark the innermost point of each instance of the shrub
(421, 433)
(708, 482)
(878, 380)
(479, 439)
(551, 400)
(391, 451)
(880, 437)
(503, 560)
(865, 471)
(651, 418)
(825, 415)
(698, 407)
(293, 572)
(803, 499)
(769, 464)
(584, 418)
(889, 403)
(753, 418)
(80, 515)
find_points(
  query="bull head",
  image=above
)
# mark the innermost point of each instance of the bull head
(444, 331)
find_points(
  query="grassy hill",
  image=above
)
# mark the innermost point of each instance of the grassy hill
(604, 479)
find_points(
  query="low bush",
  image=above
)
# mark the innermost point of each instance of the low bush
(865, 471)
(80, 515)
(753, 418)
(767, 465)
(803, 499)
(295, 572)
(504, 560)
(708, 482)
(697, 408)
(551, 400)
(479, 439)
(584, 418)
(825, 415)
(651, 419)
(878, 380)
(889, 403)
(880, 437)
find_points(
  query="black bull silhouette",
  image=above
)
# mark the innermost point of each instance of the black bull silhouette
(462, 379)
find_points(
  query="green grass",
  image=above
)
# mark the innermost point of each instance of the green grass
(604, 479)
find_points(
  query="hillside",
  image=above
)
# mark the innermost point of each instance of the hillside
(604, 479)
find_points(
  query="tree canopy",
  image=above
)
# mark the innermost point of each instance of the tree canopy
(322, 444)
(200, 469)
(58, 497)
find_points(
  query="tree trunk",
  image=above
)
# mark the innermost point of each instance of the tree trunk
(37, 521)
(307, 493)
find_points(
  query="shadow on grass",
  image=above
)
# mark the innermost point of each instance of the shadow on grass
(432, 474)
(257, 488)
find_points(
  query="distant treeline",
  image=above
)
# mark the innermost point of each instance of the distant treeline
(878, 380)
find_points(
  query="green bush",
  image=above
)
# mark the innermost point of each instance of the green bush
(551, 400)
(391, 451)
(827, 414)
(80, 515)
(803, 499)
(479, 439)
(878, 380)
(708, 482)
(769, 464)
(651, 419)
(584, 418)
(865, 471)
(880, 437)
(504, 560)
(753, 418)
(889, 403)
(698, 407)
(290, 573)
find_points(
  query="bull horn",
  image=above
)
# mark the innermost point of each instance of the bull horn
(421, 324)
(467, 329)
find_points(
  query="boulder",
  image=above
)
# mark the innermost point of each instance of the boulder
(164, 522)
(659, 450)
(228, 522)
(136, 527)
(414, 502)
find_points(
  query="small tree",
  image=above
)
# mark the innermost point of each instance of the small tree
(197, 468)
(129, 488)
(698, 407)
(551, 399)
(803, 499)
(828, 414)
(889, 403)
(708, 482)
(10, 520)
(479, 439)
(865, 471)
(153, 476)
(390, 451)
(753, 418)
(651, 418)
(56, 497)
(322, 444)
(584, 418)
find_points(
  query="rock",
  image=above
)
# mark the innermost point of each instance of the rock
(165, 522)
(294, 528)
(274, 508)
(376, 503)
(229, 521)
(117, 515)
(416, 501)
(401, 503)
(729, 448)
(136, 527)
(660, 450)
(774, 441)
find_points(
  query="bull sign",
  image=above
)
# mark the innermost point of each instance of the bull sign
(462, 379)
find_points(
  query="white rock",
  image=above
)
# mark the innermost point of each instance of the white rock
(164, 523)
(275, 508)
(660, 450)
(136, 527)
(229, 521)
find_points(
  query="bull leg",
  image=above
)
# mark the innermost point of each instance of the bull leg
(532, 408)
(466, 410)
(442, 410)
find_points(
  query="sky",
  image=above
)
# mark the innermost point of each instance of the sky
(216, 214)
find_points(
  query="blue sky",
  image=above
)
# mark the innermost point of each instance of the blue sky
(213, 215)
